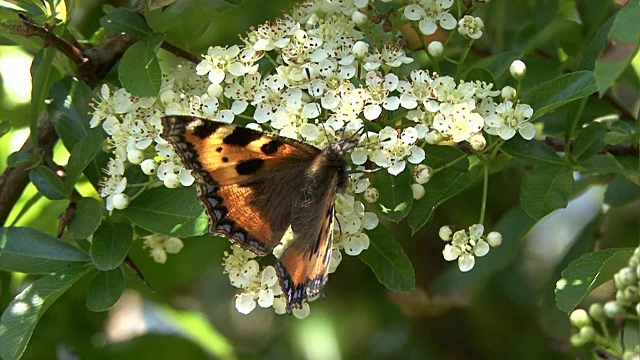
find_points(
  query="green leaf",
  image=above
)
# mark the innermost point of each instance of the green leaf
(615, 138)
(87, 219)
(69, 112)
(442, 186)
(125, 21)
(5, 127)
(480, 74)
(499, 63)
(157, 4)
(438, 156)
(545, 189)
(388, 261)
(621, 191)
(22, 314)
(43, 74)
(600, 164)
(48, 183)
(110, 245)
(172, 212)
(20, 158)
(139, 70)
(623, 44)
(531, 151)
(105, 289)
(562, 90)
(30, 251)
(395, 194)
(589, 142)
(587, 273)
(82, 155)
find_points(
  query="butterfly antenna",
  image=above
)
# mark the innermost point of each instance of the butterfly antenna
(134, 268)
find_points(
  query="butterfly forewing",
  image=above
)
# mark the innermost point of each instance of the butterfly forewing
(254, 186)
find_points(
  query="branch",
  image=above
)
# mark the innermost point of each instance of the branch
(619, 150)
(179, 52)
(93, 65)
(29, 29)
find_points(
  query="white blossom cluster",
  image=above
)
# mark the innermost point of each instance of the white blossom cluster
(466, 246)
(313, 75)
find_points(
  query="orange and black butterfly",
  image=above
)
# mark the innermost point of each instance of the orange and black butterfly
(254, 186)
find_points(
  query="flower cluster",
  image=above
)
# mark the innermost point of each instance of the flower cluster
(258, 286)
(592, 326)
(312, 75)
(466, 246)
(161, 245)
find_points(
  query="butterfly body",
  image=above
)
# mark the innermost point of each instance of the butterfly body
(255, 186)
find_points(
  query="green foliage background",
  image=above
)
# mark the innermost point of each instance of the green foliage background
(503, 309)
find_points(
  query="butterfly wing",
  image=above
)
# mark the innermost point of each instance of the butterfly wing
(303, 267)
(247, 180)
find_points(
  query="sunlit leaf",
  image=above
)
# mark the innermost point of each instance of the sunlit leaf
(20, 317)
(587, 273)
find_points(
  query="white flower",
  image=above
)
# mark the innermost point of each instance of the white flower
(430, 12)
(118, 103)
(465, 246)
(508, 119)
(114, 183)
(458, 122)
(160, 245)
(470, 27)
(218, 62)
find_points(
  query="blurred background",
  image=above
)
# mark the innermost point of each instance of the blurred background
(503, 309)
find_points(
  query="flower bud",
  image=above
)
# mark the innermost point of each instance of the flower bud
(587, 333)
(371, 195)
(579, 318)
(613, 309)
(477, 142)
(435, 49)
(596, 312)
(120, 201)
(360, 49)
(494, 239)
(417, 191)
(518, 69)
(625, 277)
(577, 340)
(422, 174)
(433, 137)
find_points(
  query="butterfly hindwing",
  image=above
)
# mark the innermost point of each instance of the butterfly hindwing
(254, 186)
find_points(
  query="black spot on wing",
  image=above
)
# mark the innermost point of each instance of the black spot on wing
(271, 147)
(206, 129)
(242, 137)
(249, 167)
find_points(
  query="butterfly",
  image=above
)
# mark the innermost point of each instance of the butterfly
(254, 186)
